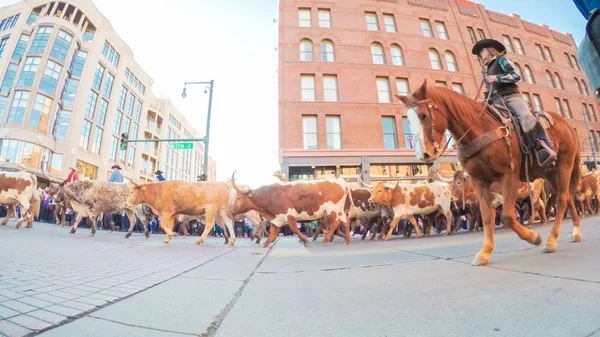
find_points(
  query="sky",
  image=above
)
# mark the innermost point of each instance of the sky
(234, 43)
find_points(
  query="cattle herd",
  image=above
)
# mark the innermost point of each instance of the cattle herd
(333, 202)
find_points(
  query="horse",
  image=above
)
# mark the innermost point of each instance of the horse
(495, 157)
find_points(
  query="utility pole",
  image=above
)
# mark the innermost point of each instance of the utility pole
(592, 142)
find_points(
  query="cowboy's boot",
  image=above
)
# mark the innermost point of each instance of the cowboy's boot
(545, 154)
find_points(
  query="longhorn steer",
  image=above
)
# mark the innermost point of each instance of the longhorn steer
(405, 200)
(285, 203)
(20, 188)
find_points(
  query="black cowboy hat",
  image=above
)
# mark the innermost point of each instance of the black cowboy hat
(158, 172)
(488, 43)
(116, 166)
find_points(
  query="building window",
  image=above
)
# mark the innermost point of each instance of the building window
(426, 28)
(61, 46)
(26, 153)
(334, 133)
(138, 112)
(550, 79)
(308, 87)
(377, 53)
(458, 87)
(29, 71)
(62, 125)
(78, 63)
(584, 87)
(529, 75)
(450, 61)
(397, 56)
(56, 164)
(84, 138)
(569, 60)
(17, 109)
(3, 104)
(538, 48)
(97, 82)
(481, 34)
(472, 35)
(97, 140)
(91, 105)
(538, 102)
(585, 112)
(575, 62)
(108, 85)
(87, 170)
(304, 17)
(102, 112)
(330, 88)
(383, 90)
(372, 23)
(434, 58)
(324, 18)
(327, 51)
(32, 17)
(593, 113)
(525, 96)
(126, 125)
(518, 70)
(558, 106)
(41, 40)
(390, 23)
(508, 43)
(122, 98)
(117, 125)
(441, 84)
(402, 86)
(558, 81)
(567, 108)
(306, 50)
(131, 158)
(20, 48)
(309, 132)
(578, 86)
(68, 98)
(441, 29)
(388, 124)
(50, 77)
(548, 54)
(9, 78)
(112, 152)
(519, 46)
(3, 42)
(40, 112)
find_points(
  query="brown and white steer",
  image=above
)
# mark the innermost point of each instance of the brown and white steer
(171, 197)
(406, 200)
(20, 188)
(285, 203)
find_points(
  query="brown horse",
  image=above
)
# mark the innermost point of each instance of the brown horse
(432, 110)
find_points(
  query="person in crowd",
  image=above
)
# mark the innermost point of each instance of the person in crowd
(116, 177)
(159, 176)
(73, 176)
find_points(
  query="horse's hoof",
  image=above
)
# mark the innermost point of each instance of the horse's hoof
(127, 236)
(92, 235)
(480, 261)
(576, 238)
(538, 240)
(346, 243)
(549, 249)
(199, 242)
(265, 245)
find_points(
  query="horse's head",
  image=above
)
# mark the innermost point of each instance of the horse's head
(426, 123)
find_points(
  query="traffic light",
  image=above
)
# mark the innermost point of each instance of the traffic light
(123, 143)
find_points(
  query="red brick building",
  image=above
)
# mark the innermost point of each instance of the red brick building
(342, 61)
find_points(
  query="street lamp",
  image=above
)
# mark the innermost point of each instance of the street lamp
(210, 87)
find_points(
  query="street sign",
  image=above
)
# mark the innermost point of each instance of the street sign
(182, 146)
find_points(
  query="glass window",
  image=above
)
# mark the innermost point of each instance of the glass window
(397, 56)
(334, 133)
(390, 23)
(97, 140)
(309, 131)
(62, 125)
(426, 28)
(3, 104)
(441, 84)
(97, 82)
(441, 29)
(131, 157)
(61, 46)
(558, 106)
(458, 87)
(518, 70)
(308, 87)
(50, 77)
(306, 50)
(3, 42)
(41, 40)
(16, 151)
(112, 153)
(78, 63)
(569, 60)
(105, 48)
(130, 104)
(529, 75)
(29, 71)
(304, 17)
(17, 109)
(377, 52)
(372, 23)
(70, 91)
(122, 98)
(32, 17)
(84, 138)
(20, 48)
(472, 35)
(548, 54)
(592, 113)
(91, 105)
(578, 86)
(9, 78)
(434, 58)
(550, 79)
(126, 125)
(56, 164)
(508, 43)
(134, 133)
(40, 112)
(451, 61)
(540, 53)
(327, 51)
(481, 34)
(102, 112)
(108, 84)
(383, 90)
(116, 60)
(402, 86)
(388, 125)
(558, 81)
(324, 18)
(538, 102)
(519, 46)
(117, 126)
(584, 87)
(138, 111)
(567, 108)
(526, 98)
(330, 88)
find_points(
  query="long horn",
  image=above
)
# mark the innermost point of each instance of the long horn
(397, 183)
(133, 182)
(237, 188)
(444, 179)
(365, 184)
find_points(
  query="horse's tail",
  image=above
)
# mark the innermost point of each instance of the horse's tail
(575, 176)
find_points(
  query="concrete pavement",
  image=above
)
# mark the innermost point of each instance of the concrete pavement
(56, 284)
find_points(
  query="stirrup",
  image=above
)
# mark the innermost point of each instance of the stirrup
(545, 156)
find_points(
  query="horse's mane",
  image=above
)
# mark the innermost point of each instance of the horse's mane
(456, 103)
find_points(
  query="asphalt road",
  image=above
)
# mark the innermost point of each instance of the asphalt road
(56, 284)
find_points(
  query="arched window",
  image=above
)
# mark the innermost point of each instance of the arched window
(558, 81)
(550, 80)
(434, 58)
(529, 75)
(327, 52)
(519, 70)
(306, 50)
(451, 61)
(397, 56)
(377, 52)
(579, 90)
(584, 87)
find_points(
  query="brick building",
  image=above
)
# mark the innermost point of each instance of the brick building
(342, 61)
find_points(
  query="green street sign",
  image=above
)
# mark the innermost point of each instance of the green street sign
(182, 146)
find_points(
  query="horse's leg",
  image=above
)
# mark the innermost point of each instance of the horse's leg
(488, 217)
(561, 185)
(509, 192)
